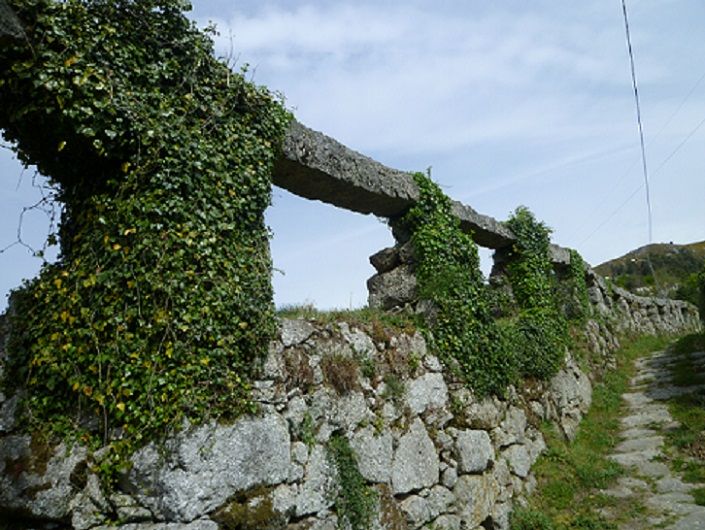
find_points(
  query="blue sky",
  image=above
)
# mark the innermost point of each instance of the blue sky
(509, 102)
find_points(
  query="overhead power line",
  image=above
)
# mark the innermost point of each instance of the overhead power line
(641, 186)
(638, 119)
(652, 139)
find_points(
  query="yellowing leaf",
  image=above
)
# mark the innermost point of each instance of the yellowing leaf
(61, 146)
(120, 406)
(57, 283)
(125, 167)
(117, 246)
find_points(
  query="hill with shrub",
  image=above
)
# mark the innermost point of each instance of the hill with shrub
(672, 272)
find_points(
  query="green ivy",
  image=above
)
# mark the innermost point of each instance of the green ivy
(541, 329)
(356, 502)
(571, 290)
(464, 332)
(580, 308)
(161, 301)
(701, 289)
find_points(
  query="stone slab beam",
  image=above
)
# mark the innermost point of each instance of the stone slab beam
(316, 166)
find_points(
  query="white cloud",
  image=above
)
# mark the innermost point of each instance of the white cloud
(423, 79)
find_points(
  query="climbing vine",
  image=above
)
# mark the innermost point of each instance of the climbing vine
(464, 331)
(577, 302)
(161, 301)
(490, 354)
(356, 502)
(701, 289)
(540, 327)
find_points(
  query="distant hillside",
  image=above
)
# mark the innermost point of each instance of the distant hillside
(673, 275)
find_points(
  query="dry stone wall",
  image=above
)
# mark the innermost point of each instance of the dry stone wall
(393, 287)
(433, 454)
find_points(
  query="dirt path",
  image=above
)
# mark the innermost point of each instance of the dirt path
(649, 481)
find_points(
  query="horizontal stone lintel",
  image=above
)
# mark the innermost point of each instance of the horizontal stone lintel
(315, 166)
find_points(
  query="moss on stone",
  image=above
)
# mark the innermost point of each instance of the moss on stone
(252, 510)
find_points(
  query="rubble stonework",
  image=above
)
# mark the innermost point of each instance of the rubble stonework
(394, 287)
(440, 455)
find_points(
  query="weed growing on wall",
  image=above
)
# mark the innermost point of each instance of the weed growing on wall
(356, 502)
(161, 300)
(464, 332)
(701, 289)
(573, 291)
(541, 329)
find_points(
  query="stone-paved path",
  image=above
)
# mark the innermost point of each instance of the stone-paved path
(649, 480)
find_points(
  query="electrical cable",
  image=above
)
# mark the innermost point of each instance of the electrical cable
(638, 118)
(641, 186)
(618, 180)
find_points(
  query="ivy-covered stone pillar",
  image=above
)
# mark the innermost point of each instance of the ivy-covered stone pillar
(161, 300)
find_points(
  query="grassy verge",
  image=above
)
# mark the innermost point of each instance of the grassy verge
(686, 443)
(570, 475)
(361, 316)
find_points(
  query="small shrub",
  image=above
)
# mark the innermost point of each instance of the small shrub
(307, 430)
(379, 334)
(393, 387)
(340, 372)
(298, 368)
(368, 367)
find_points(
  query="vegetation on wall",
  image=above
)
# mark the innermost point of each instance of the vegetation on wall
(573, 291)
(701, 297)
(488, 353)
(541, 329)
(161, 300)
(356, 502)
(464, 331)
